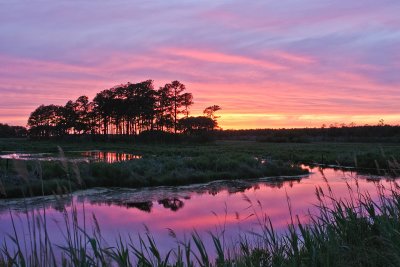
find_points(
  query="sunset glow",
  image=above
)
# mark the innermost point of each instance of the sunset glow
(268, 64)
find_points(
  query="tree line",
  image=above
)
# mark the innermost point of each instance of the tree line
(126, 109)
(335, 133)
(7, 131)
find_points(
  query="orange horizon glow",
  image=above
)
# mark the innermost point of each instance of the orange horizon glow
(268, 65)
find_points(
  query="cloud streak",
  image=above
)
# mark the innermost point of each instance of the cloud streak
(267, 63)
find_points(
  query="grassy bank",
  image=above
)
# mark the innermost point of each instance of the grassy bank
(182, 164)
(363, 155)
(28, 178)
(359, 231)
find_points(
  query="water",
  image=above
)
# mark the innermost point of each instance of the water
(219, 206)
(108, 156)
(77, 156)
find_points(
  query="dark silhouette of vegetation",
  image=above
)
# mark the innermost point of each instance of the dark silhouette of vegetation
(173, 204)
(149, 114)
(196, 124)
(127, 109)
(343, 133)
(7, 131)
(209, 112)
(143, 206)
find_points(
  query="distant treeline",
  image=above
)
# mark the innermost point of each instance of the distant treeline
(7, 131)
(377, 133)
(124, 110)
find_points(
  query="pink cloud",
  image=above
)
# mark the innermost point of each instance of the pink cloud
(210, 56)
(296, 58)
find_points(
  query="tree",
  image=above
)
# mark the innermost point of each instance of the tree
(82, 107)
(47, 121)
(129, 108)
(103, 108)
(146, 103)
(210, 111)
(187, 101)
(178, 99)
(198, 124)
(70, 116)
(76, 115)
(12, 131)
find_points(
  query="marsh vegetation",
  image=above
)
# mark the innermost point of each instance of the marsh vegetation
(179, 164)
(329, 235)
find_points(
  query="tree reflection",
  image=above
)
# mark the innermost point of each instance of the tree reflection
(109, 157)
(173, 204)
(143, 206)
(171, 198)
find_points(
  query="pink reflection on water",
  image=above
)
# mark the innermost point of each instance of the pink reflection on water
(109, 157)
(209, 209)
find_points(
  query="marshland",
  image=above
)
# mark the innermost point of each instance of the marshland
(220, 203)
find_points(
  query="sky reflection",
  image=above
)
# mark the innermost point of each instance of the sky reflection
(232, 206)
(97, 156)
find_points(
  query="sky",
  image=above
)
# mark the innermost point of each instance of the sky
(268, 64)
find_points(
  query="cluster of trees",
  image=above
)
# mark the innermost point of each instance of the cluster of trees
(7, 131)
(343, 133)
(127, 109)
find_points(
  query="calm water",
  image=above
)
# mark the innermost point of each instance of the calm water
(88, 156)
(206, 207)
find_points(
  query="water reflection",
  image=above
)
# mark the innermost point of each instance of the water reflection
(29, 156)
(171, 198)
(143, 206)
(173, 204)
(202, 207)
(109, 157)
(85, 156)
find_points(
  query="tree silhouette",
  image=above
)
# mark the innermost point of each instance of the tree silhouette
(126, 109)
(177, 100)
(210, 111)
(187, 101)
(47, 121)
(7, 131)
(76, 115)
(103, 108)
(198, 124)
(164, 108)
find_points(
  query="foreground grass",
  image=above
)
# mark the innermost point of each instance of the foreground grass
(358, 231)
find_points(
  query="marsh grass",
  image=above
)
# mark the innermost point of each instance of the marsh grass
(33, 178)
(355, 231)
(316, 152)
